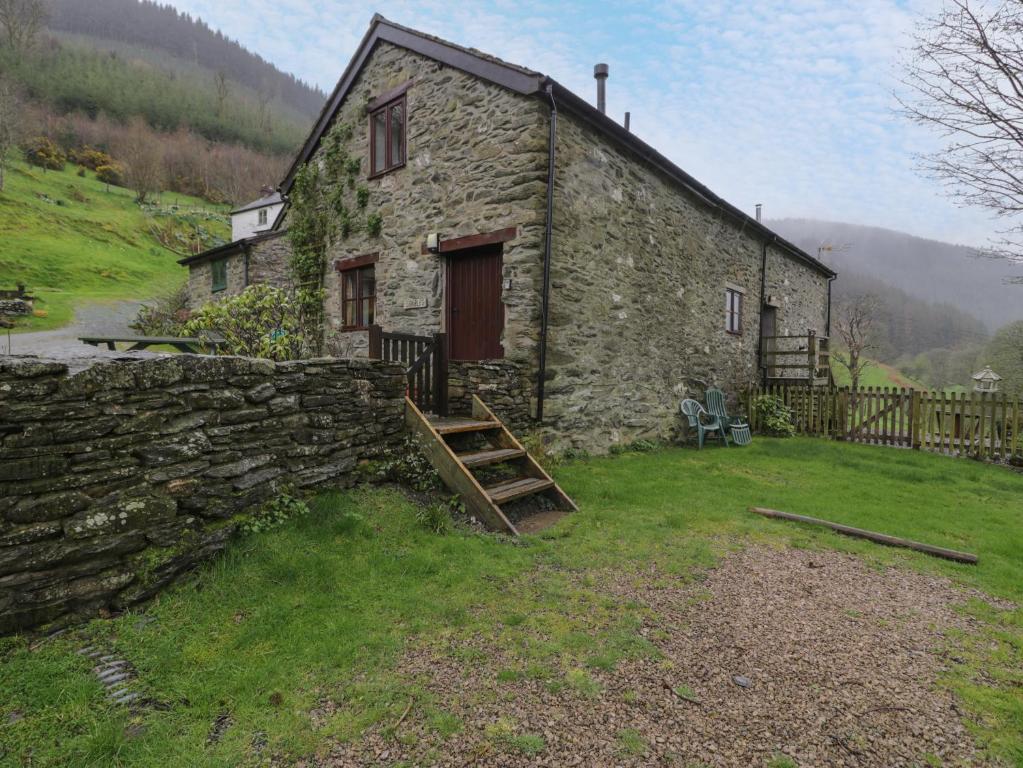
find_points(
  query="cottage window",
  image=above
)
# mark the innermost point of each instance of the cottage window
(262, 217)
(387, 137)
(358, 297)
(733, 311)
(218, 271)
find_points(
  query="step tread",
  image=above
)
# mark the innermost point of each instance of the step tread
(509, 490)
(453, 425)
(493, 456)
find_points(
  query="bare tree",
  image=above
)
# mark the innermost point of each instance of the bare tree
(142, 153)
(10, 122)
(855, 327)
(21, 21)
(223, 90)
(964, 79)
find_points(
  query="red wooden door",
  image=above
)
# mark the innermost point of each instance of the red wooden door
(475, 315)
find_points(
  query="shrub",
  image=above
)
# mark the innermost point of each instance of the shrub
(90, 158)
(167, 317)
(274, 514)
(408, 465)
(112, 173)
(436, 517)
(262, 321)
(43, 153)
(774, 416)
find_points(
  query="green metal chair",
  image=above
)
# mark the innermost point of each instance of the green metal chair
(703, 422)
(738, 426)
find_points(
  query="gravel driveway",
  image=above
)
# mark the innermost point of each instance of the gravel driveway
(837, 665)
(90, 320)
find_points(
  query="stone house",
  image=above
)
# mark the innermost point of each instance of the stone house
(531, 228)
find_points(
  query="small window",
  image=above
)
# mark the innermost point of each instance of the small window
(262, 217)
(358, 297)
(733, 311)
(219, 271)
(387, 137)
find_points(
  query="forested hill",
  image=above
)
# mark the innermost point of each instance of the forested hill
(926, 269)
(161, 27)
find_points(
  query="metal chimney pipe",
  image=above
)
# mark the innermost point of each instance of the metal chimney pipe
(600, 72)
(628, 117)
(760, 207)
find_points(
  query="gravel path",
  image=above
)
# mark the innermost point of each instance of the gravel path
(840, 661)
(90, 320)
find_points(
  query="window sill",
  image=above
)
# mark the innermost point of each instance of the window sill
(218, 290)
(386, 171)
(733, 333)
(350, 328)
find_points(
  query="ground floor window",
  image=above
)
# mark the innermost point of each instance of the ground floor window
(733, 311)
(218, 270)
(358, 296)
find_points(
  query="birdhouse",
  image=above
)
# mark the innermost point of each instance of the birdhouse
(986, 381)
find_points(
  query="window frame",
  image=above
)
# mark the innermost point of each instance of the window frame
(262, 217)
(389, 164)
(216, 287)
(360, 266)
(734, 301)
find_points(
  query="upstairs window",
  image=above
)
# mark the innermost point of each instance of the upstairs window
(387, 137)
(733, 311)
(358, 297)
(262, 217)
(218, 270)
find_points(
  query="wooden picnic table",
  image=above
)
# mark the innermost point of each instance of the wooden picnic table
(182, 344)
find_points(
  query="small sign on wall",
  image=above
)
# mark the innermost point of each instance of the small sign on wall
(417, 302)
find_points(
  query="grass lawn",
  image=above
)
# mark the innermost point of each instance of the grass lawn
(320, 609)
(877, 375)
(71, 240)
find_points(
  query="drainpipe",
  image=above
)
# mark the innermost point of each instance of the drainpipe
(763, 303)
(245, 255)
(548, 233)
(828, 324)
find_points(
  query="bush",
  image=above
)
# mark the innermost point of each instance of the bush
(774, 416)
(262, 321)
(167, 317)
(43, 153)
(112, 173)
(408, 465)
(90, 158)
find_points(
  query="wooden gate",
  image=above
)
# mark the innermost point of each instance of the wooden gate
(425, 361)
(972, 424)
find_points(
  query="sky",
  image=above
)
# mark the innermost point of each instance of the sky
(788, 103)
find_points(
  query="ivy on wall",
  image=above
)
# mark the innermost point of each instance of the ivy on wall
(327, 206)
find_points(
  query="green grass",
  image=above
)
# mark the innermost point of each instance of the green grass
(321, 609)
(877, 375)
(96, 246)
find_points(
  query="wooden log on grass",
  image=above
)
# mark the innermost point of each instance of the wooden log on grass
(880, 538)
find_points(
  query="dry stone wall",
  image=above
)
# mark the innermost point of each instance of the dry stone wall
(116, 478)
(502, 384)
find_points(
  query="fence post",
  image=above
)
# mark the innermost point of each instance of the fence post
(915, 420)
(440, 373)
(376, 342)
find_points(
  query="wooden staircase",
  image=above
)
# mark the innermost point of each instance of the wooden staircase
(466, 449)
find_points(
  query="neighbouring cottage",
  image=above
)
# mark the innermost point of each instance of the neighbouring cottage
(258, 216)
(497, 207)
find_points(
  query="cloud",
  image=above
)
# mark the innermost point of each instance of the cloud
(782, 102)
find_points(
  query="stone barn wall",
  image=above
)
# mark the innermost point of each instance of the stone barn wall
(116, 478)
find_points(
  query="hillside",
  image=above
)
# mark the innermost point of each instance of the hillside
(73, 241)
(926, 269)
(155, 27)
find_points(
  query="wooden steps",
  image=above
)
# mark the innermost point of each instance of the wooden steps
(501, 453)
(475, 459)
(510, 490)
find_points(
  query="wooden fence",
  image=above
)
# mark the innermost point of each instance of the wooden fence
(425, 361)
(983, 425)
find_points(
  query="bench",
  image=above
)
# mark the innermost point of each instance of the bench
(182, 344)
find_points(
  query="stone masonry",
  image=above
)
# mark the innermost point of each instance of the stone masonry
(639, 273)
(266, 261)
(476, 163)
(116, 478)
